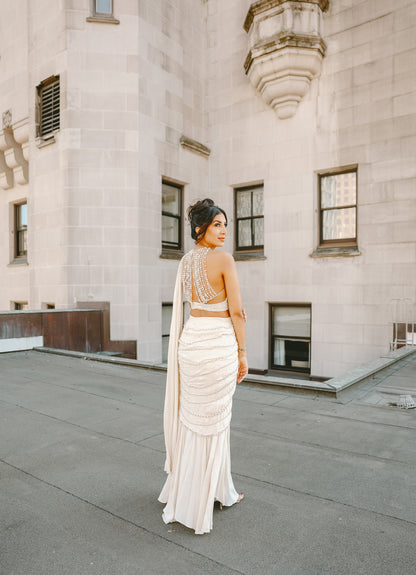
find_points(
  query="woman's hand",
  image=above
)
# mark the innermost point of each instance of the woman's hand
(242, 368)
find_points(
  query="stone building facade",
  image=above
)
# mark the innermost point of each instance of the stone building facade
(297, 117)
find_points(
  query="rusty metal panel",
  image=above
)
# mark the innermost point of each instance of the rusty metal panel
(85, 329)
(73, 330)
(20, 324)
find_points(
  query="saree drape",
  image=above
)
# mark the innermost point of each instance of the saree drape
(201, 380)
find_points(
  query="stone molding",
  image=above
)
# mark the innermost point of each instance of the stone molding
(194, 146)
(14, 153)
(341, 251)
(102, 19)
(285, 50)
(263, 5)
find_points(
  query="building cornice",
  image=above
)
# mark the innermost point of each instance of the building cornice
(264, 5)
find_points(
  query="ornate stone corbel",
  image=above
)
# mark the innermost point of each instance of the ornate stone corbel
(21, 135)
(14, 152)
(6, 174)
(285, 50)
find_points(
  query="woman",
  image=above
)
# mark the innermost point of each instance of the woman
(204, 362)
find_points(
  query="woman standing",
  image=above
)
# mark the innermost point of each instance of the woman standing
(205, 361)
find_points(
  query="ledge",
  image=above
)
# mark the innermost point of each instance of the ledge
(333, 388)
(194, 146)
(103, 19)
(346, 252)
(249, 257)
(367, 370)
(41, 141)
(105, 358)
(18, 262)
(166, 255)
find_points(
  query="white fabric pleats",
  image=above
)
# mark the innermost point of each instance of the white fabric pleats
(208, 363)
(199, 459)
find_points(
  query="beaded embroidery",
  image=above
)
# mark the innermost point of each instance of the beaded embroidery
(195, 269)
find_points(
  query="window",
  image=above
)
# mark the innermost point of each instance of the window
(171, 216)
(249, 219)
(338, 208)
(403, 334)
(290, 337)
(404, 322)
(103, 6)
(20, 305)
(167, 309)
(49, 116)
(20, 230)
(102, 11)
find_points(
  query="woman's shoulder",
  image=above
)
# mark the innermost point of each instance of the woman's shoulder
(222, 258)
(187, 257)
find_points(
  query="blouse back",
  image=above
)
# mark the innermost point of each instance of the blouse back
(194, 273)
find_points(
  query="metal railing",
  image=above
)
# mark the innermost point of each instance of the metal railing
(403, 316)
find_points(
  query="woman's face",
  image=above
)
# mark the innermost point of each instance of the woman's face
(216, 232)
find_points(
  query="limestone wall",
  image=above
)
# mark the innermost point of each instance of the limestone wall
(165, 70)
(172, 92)
(14, 279)
(359, 111)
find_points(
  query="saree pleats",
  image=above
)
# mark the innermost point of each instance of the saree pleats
(201, 470)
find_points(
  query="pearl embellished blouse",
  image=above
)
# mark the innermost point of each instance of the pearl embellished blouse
(194, 272)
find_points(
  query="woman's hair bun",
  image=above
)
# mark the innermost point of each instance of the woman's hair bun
(200, 215)
(199, 206)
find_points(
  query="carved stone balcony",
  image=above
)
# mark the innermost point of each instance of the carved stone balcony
(285, 50)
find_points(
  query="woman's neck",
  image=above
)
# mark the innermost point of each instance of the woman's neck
(200, 245)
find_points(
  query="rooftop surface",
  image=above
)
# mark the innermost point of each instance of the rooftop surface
(329, 486)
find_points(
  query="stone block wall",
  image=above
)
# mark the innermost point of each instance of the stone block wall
(356, 113)
(14, 279)
(172, 71)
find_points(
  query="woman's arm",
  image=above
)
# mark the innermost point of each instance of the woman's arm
(232, 288)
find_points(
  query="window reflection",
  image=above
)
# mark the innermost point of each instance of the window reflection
(338, 202)
(249, 211)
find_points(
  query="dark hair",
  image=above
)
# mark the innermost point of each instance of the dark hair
(201, 215)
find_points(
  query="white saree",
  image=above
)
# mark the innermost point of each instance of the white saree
(201, 380)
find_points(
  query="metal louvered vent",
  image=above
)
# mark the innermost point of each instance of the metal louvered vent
(49, 107)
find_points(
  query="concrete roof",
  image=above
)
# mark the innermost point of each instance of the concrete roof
(329, 486)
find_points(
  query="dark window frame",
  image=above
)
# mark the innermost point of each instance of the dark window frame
(342, 242)
(174, 246)
(166, 335)
(253, 248)
(20, 231)
(272, 337)
(48, 107)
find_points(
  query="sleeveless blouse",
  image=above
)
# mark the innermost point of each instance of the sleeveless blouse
(194, 272)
